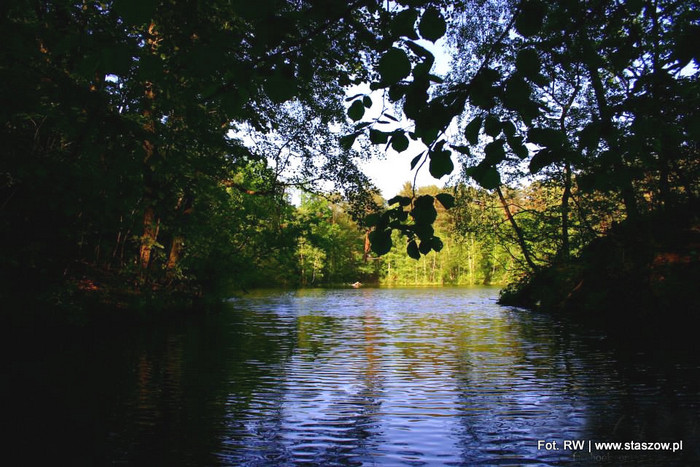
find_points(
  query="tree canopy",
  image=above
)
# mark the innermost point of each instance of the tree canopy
(156, 141)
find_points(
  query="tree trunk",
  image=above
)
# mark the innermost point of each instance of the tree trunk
(151, 222)
(174, 255)
(151, 225)
(565, 247)
(626, 188)
(516, 228)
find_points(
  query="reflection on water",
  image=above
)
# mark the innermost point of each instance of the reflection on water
(361, 377)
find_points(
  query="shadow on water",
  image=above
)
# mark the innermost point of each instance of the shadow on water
(348, 377)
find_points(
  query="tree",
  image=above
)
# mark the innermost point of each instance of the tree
(120, 156)
(568, 88)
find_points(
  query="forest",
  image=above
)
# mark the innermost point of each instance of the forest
(155, 150)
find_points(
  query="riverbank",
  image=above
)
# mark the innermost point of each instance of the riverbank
(642, 276)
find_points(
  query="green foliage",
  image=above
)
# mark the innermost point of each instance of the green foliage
(587, 99)
(394, 66)
(432, 25)
(124, 149)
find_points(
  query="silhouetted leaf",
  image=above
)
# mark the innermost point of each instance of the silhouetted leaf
(547, 137)
(432, 25)
(371, 219)
(462, 150)
(485, 175)
(356, 110)
(424, 231)
(494, 152)
(396, 92)
(347, 141)
(412, 250)
(403, 24)
(542, 159)
(378, 137)
(425, 246)
(399, 142)
(367, 101)
(380, 241)
(492, 126)
(446, 199)
(508, 128)
(528, 63)
(440, 163)
(280, 87)
(401, 200)
(394, 66)
(424, 210)
(517, 93)
(471, 132)
(517, 146)
(529, 20)
(415, 160)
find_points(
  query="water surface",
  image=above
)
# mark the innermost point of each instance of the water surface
(355, 377)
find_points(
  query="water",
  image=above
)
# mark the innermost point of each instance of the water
(352, 377)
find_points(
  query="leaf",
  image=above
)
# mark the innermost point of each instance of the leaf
(399, 142)
(482, 90)
(378, 137)
(367, 101)
(546, 137)
(396, 92)
(371, 219)
(425, 246)
(421, 70)
(542, 159)
(494, 152)
(446, 199)
(462, 150)
(380, 241)
(528, 63)
(485, 175)
(416, 98)
(432, 25)
(428, 135)
(415, 160)
(440, 163)
(492, 126)
(436, 244)
(424, 231)
(508, 128)
(471, 132)
(412, 250)
(424, 211)
(347, 141)
(530, 19)
(280, 87)
(394, 66)
(589, 136)
(516, 144)
(401, 200)
(356, 110)
(403, 24)
(517, 93)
